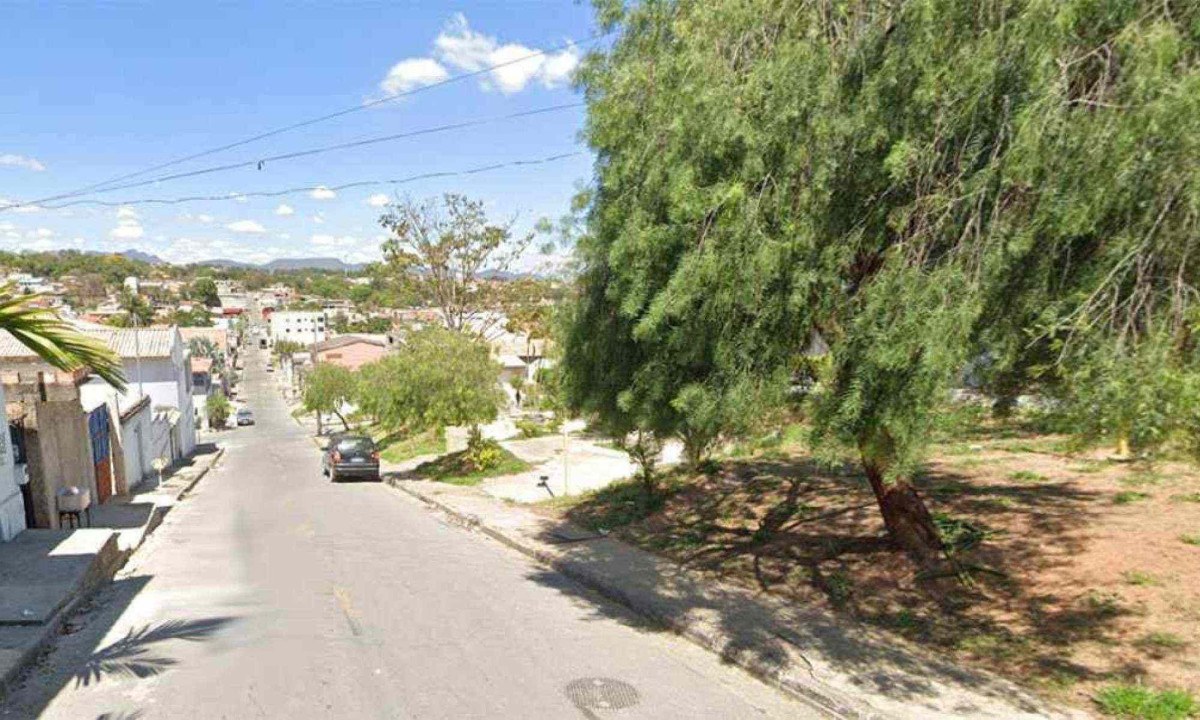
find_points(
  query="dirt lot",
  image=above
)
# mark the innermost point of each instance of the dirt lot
(1084, 571)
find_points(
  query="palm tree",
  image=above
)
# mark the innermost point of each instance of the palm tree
(62, 346)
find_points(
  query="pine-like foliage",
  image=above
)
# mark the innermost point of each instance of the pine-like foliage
(923, 183)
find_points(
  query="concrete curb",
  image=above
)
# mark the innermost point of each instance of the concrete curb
(188, 488)
(828, 701)
(113, 560)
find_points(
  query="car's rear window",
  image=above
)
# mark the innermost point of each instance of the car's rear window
(355, 445)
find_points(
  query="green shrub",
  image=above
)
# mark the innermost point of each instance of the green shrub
(485, 455)
(1142, 703)
(532, 428)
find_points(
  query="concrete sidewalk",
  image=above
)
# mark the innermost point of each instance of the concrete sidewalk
(45, 574)
(842, 668)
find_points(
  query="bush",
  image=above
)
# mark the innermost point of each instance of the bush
(485, 455)
(531, 428)
(218, 409)
(1137, 701)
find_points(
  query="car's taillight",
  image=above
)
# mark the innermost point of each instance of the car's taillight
(337, 456)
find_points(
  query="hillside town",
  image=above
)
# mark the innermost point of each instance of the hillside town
(58, 420)
(633, 359)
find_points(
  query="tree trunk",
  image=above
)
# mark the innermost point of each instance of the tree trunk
(345, 424)
(904, 513)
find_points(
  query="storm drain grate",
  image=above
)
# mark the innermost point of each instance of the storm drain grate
(590, 694)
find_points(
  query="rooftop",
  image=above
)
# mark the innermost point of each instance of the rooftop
(126, 342)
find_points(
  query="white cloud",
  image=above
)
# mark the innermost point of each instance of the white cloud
(43, 233)
(322, 193)
(461, 48)
(465, 49)
(412, 73)
(378, 200)
(246, 226)
(285, 209)
(125, 212)
(21, 161)
(204, 218)
(319, 219)
(7, 227)
(127, 230)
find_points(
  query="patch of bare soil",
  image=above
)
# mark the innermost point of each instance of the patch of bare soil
(1082, 569)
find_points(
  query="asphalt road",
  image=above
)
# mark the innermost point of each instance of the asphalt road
(272, 593)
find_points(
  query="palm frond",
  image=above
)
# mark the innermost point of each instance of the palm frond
(53, 340)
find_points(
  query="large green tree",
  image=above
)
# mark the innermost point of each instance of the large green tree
(448, 251)
(437, 378)
(923, 184)
(204, 290)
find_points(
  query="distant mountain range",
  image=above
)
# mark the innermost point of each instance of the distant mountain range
(140, 256)
(284, 264)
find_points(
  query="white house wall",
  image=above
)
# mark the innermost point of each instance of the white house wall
(12, 508)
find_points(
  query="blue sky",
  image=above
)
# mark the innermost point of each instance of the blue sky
(92, 91)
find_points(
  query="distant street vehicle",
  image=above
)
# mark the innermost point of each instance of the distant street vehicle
(349, 456)
(245, 417)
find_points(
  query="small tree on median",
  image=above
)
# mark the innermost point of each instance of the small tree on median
(327, 388)
(438, 378)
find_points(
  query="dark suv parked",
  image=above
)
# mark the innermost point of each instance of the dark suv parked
(351, 456)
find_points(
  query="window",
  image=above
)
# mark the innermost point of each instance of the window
(355, 444)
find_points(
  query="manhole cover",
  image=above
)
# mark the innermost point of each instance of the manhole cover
(590, 694)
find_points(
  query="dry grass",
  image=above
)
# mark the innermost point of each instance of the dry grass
(1076, 585)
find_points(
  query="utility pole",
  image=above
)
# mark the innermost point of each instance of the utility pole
(312, 351)
(137, 346)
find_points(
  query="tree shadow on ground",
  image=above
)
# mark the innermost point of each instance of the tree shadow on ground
(799, 540)
(132, 656)
(77, 658)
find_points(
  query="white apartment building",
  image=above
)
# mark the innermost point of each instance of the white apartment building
(302, 326)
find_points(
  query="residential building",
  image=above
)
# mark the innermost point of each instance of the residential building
(300, 326)
(64, 444)
(221, 338)
(81, 431)
(234, 301)
(156, 364)
(131, 433)
(229, 287)
(352, 351)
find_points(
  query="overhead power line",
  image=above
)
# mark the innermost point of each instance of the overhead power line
(312, 121)
(310, 188)
(263, 161)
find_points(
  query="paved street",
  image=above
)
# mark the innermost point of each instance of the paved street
(272, 593)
